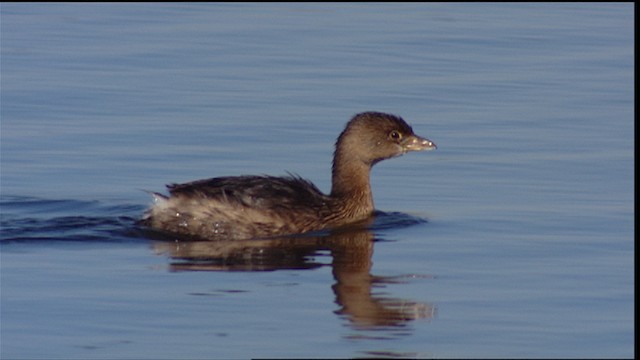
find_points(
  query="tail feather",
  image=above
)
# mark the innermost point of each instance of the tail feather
(157, 197)
(158, 200)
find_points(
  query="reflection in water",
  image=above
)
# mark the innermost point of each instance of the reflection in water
(351, 252)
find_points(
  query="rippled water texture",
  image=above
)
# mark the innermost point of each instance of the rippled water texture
(513, 239)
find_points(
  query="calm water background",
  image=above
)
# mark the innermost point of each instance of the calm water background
(528, 248)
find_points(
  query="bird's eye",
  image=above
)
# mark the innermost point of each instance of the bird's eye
(395, 135)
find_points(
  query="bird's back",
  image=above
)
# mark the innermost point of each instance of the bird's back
(240, 207)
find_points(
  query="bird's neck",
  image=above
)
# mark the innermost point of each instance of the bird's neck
(351, 188)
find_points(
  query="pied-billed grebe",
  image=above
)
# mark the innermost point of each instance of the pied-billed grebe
(243, 207)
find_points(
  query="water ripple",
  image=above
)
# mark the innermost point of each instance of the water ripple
(34, 219)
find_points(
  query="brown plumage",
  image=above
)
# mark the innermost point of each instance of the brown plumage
(243, 207)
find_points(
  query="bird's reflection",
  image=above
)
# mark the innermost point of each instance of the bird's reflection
(351, 252)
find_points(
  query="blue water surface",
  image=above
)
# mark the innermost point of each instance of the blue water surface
(513, 239)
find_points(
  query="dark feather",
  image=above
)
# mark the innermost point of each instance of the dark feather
(256, 191)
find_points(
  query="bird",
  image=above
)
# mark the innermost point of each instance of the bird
(264, 206)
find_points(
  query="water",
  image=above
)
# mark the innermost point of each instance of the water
(513, 239)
